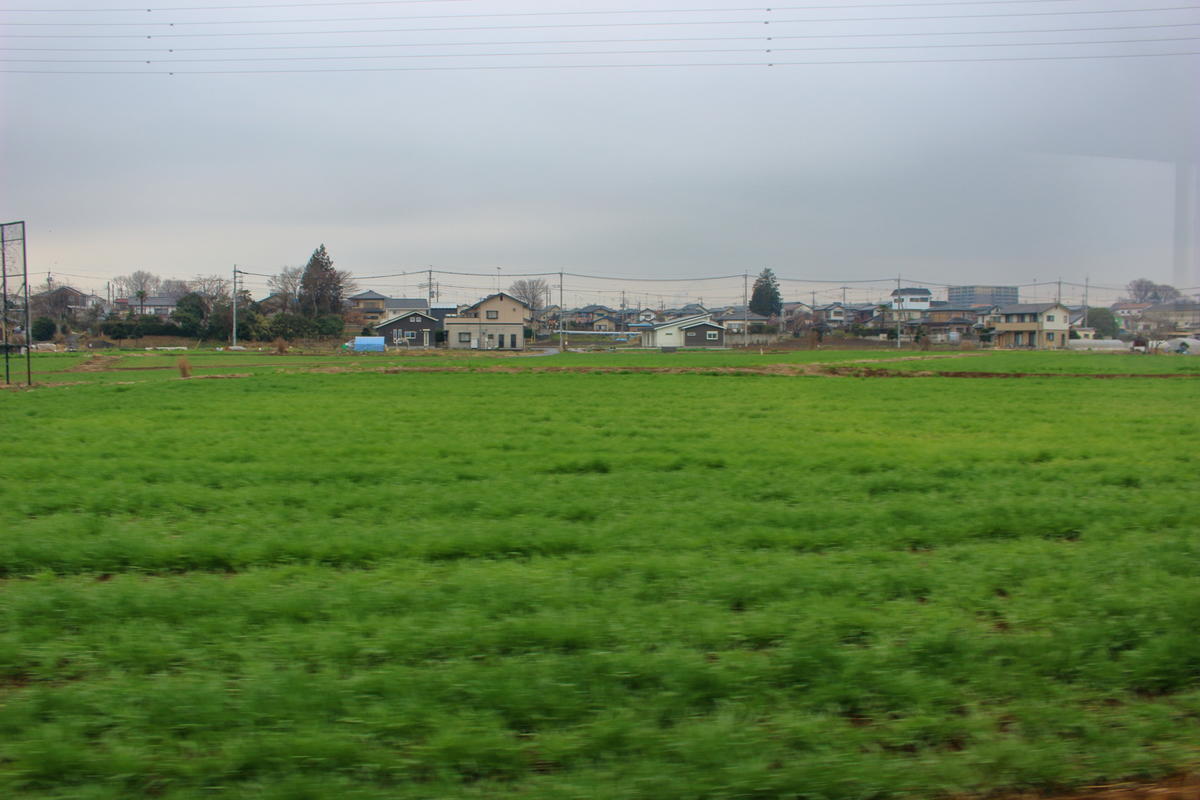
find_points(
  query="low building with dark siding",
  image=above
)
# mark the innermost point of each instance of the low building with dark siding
(703, 334)
(410, 329)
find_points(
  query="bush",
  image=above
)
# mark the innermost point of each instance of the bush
(43, 329)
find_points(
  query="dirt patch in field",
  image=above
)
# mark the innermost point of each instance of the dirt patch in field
(869, 372)
(828, 370)
(1181, 788)
(216, 377)
(96, 363)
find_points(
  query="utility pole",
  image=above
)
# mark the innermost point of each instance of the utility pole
(1086, 279)
(4, 294)
(430, 286)
(896, 311)
(235, 274)
(1058, 294)
(745, 309)
(562, 319)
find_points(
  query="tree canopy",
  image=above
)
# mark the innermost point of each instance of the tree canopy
(533, 292)
(766, 299)
(322, 288)
(1104, 322)
(1144, 290)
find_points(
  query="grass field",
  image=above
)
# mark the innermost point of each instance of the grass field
(461, 584)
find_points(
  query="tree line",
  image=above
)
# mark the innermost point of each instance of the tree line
(306, 302)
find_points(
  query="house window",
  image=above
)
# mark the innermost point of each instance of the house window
(1049, 318)
(493, 315)
(713, 336)
(464, 336)
(410, 334)
(691, 333)
(1049, 337)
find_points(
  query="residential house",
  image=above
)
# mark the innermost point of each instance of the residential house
(832, 315)
(413, 328)
(376, 307)
(698, 330)
(911, 299)
(65, 303)
(582, 318)
(497, 322)
(370, 304)
(605, 323)
(1129, 315)
(1033, 325)
(155, 305)
(738, 319)
(1175, 318)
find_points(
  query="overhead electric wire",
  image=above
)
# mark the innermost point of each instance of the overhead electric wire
(406, 2)
(668, 65)
(655, 40)
(557, 26)
(221, 8)
(259, 59)
(511, 15)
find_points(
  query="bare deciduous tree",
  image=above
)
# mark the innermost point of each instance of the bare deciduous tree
(174, 288)
(212, 288)
(286, 286)
(533, 292)
(137, 284)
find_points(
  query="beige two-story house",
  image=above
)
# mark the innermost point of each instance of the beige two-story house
(1034, 325)
(496, 322)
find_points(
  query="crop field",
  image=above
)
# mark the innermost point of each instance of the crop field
(327, 580)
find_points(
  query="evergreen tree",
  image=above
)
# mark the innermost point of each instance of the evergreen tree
(765, 299)
(322, 286)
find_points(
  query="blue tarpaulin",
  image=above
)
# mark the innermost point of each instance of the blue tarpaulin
(368, 344)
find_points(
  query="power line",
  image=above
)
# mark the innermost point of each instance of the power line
(675, 65)
(409, 2)
(654, 40)
(520, 14)
(556, 26)
(258, 59)
(218, 8)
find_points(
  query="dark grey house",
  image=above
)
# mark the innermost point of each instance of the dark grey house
(703, 334)
(413, 328)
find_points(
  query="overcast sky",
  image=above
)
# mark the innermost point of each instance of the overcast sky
(690, 158)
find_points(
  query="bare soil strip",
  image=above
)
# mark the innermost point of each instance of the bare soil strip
(96, 363)
(828, 370)
(1186, 787)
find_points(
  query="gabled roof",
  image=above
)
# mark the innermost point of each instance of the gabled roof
(679, 322)
(698, 323)
(740, 316)
(1028, 308)
(497, 294)
(397, 317)
(912, 290)
(368, 295)
(405, 302)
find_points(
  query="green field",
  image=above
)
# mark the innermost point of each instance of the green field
(308, 584)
